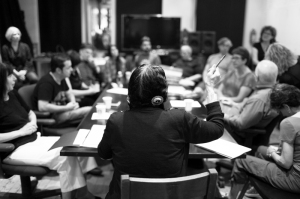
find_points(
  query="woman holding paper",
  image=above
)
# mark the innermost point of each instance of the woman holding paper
(149, 141)
(18, 126)
(278, 166)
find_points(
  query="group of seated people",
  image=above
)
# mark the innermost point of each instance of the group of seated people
(70, 89)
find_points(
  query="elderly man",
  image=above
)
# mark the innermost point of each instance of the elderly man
(192, 67)
(254, 111)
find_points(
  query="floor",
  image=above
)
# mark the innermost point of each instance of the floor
(9, 188)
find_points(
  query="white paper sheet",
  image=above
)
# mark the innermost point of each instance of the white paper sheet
(225, 148)
(28, 151)
(181, 104)
(121, 91)
(81, 135)
(101, 116)
(178, 90)
(94, 137)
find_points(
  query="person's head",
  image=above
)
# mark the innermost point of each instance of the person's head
(240, 56)
(61, 65)
(224, 45)
(13, 34)
(74, 57)
(186, 52)
(86, 52)
(147, 87)
(268, 33)
(285, 98)
(113, 51)
(266, 72)
(146, 44)
(281, 56)
(7, 80)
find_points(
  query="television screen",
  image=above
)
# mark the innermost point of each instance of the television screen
(164, 32)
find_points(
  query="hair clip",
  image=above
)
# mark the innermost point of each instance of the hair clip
(157, 100)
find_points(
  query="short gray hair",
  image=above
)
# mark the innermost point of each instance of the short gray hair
(266, 71)
(11, 30)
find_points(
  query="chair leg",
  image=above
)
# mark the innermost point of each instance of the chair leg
(243, 191)
(26, 186)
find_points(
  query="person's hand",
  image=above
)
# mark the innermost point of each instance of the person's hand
(186, 82)
(271, 149)
(21, 74)
(72, 105)
(227, 101)
(213, 76)
(28, 129)
(94, 88)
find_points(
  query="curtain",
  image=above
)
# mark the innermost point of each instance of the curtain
(60, 24)
(225, 17)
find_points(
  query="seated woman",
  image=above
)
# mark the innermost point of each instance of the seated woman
(288, 64)
(114, 69)
(278, 166)
(239, 82)
(87, 95)
(18, 126)
(18, 55)
(149, 141)
(267, 37)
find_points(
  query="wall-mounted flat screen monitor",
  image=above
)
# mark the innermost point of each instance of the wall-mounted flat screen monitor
(164, 32)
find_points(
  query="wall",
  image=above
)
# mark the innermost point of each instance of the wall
(283, 15)
(30, 8)
(186, 9)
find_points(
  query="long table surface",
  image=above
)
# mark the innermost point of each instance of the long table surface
(87, 123)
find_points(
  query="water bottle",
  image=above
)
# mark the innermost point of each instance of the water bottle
(120, 79)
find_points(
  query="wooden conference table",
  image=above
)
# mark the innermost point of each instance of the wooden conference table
(87, 123)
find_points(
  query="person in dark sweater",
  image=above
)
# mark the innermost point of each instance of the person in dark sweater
(192, 67)
(149, 141)
(18, 126)
(17, 54)
(267, 37)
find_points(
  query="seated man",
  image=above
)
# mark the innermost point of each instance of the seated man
(88, 71)
(254, 111)
(192, 67)
(146, 56)
(52, 94)
(85, 95)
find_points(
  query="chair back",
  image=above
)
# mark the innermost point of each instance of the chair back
(199, 186)
(263, 139)
(26, 92)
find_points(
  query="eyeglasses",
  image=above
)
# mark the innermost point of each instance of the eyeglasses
(267, 33)
(236, 57)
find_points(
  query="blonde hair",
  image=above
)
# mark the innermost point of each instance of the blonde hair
(10, 31)
(281, 56)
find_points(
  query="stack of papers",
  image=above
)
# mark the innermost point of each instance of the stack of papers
(120, 91)
(181, 104)
(225, 148)
(89, 138)
(101, 116)
(178, 90)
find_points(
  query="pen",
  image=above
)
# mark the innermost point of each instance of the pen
(220, 61)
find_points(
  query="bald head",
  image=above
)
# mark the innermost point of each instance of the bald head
(186, 52)
(267, 72)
